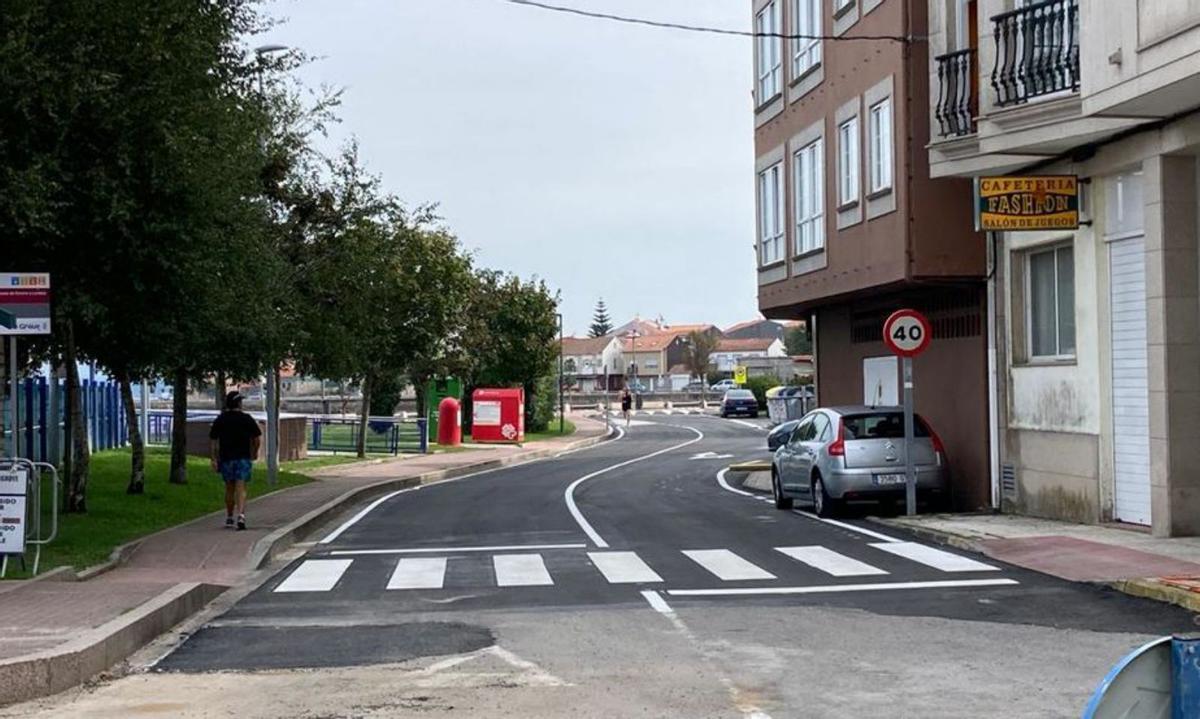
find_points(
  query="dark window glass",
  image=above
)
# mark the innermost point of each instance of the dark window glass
(879, 425)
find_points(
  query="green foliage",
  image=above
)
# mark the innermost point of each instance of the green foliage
(697, 354)
(545, 405)
(601, 322)
(760, 385)
(385, 395)
(797, 342)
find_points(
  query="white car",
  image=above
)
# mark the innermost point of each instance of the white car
(724, 386)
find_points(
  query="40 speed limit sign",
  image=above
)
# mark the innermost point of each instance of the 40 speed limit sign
(907, 333)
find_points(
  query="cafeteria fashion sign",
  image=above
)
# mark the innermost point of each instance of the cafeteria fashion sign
(1023, 203)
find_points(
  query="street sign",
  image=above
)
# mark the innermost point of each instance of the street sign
(907, 333)
(739, 374)
(24, 303)
(1024, 203)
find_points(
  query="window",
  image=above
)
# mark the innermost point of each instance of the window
(1050, 302)
(848, 161)
(769, 56)
(839, 5)
(770, 214)
(881, 145)
(806, 16)
(809, 201)
(820, 428)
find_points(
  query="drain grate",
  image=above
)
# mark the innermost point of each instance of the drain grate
(1008, 480)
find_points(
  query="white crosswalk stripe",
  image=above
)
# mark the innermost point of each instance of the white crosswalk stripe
(418, 573)
(829, 561)
(315, 575)
(521, 570)
(623, 567)
(726, 565)
(936, 558)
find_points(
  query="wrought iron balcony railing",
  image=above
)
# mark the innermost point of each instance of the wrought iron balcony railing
(1037, 51)
(957, 104)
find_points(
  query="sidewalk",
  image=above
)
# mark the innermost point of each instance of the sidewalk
(1128, 559)
(56, 634)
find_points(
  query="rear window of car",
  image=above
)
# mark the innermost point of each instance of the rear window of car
(879, 425)
(740, 394)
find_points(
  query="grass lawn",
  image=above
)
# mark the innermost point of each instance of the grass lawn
(114, 517)
(341, 438)
(551, 431)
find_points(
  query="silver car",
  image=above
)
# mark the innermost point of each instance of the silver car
(837, 455)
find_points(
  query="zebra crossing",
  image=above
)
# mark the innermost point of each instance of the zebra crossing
(515, 567)
(664, 411)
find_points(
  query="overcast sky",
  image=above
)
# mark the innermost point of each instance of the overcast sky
(611, 160)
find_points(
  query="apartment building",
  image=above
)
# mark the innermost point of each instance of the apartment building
(595, 363)
(1096, 329)
(850, 224)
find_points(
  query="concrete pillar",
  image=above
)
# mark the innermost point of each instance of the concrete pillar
(1173, 343)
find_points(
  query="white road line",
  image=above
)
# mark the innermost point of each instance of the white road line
(751, 425)
(315, 575)
(521, 570)
(726, 565)
(829, 561)
(455, 550)
(936, 558)
(725, 485)
(851, 527)
(623, 567)
(419, 573)
(835, 588)
(568, 495)
(657, 603)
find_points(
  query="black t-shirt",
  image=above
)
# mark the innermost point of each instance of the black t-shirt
(234, 429)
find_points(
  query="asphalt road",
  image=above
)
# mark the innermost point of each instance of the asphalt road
(630, 579)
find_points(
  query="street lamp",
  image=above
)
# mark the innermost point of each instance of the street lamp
(560, 375)
(633, 335)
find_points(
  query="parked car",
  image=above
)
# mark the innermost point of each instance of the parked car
(723, 386)
(693, 387)
(637, 387)
(780, 434)
(837, 455)
(739, 401)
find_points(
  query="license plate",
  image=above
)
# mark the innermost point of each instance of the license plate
(886, 480)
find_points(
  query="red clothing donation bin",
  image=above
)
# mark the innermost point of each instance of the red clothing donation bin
(498, 415)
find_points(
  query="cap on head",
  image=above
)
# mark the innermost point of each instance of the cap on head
(233, 400)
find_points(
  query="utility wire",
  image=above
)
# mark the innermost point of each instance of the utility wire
(700, 28)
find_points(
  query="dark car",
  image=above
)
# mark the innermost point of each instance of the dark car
(780, 434)
(739, 401)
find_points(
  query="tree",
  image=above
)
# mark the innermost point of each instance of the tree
(601, 322)
(797, 340)
(697, 357)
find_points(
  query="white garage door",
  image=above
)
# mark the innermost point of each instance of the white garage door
(1130, 382)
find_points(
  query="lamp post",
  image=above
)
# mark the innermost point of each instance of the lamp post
(271, 383)
(560, 375)
(633, 335)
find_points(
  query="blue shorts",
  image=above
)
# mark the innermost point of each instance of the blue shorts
(235, 470)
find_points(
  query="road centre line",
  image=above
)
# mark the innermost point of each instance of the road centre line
(568, 494)
(835, 588)
(456, 550)
(370, 507)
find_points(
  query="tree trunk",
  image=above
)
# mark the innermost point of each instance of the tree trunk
(77, 479)
(219, 391)
(137, 447)
(364, 413)
(179, 428)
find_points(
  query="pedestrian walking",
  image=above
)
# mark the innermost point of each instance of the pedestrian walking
(235, 439)
(626, 404)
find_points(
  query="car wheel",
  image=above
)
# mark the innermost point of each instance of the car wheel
(781, 502)
(823, 505)
(754, 415)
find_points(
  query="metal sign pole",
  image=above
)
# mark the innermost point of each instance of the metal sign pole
(15, 442)
(910, 476)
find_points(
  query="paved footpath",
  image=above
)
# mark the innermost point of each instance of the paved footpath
(41, 617)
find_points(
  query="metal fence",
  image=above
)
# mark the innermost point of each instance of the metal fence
(385, 435)
(100, 403)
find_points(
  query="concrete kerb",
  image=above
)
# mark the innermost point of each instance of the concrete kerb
(51, 671)
(270, 546)
(1147, 588)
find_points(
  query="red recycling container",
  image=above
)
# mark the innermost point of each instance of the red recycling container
(498, 415)
(449, 432)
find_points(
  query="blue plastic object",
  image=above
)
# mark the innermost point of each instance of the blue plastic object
(1185, 678)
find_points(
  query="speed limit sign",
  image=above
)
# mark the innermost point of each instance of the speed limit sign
(906, 333)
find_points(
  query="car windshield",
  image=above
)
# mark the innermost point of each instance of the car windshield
(879, 425)
(740, 394)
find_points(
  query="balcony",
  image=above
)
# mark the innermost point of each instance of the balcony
(1037, 51)
(958, 101)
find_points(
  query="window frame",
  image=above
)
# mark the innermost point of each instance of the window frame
(768, 74)
(878, 149)
(806, 54)
(778, 237)
(849, 168)
(814, 220)
(1027, 260)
